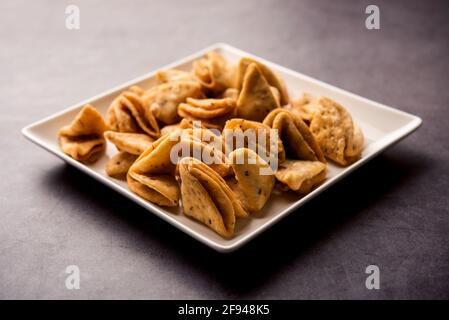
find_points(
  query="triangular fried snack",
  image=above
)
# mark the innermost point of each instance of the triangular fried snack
(162, 101)
(83, 139)
(207, 198)
(256, 98)
(119, 164)
(215, 72)
(301, 175)
(152, 174)
(199, 109)
(304, 106)
(241, 133)
(133, 143)
(251, 185)
(338, 136)
(296, 137)
(127, 114)
(159, 162)
(272, 79)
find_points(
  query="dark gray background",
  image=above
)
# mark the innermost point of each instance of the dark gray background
(392, 213)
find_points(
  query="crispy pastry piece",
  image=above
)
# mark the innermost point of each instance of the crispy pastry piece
(252, 135)
(152, 175)
(207, 198)
(301, 175)
(130, 145)
(297, 139)
(133, 143)
(83, 139)
(164, 76)
(256, 98)
(231, 93)
(187, 124)
(211, 112)
(251, 185)
(215, 72)
(338, 136)
(270, 77)
(163, 100)
(208, 147)
(304, 106)
(127, 114)
(205, 108)
(119, 164)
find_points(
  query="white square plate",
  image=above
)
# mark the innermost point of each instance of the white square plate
(381, 125)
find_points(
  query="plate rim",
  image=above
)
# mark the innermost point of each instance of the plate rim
(380, 145)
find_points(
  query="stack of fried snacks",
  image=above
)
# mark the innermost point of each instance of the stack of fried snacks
(217, 140)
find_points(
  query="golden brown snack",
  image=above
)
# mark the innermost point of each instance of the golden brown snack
(164, 76)
(213, 113)
(208, 146)
(251, 185)
(133, 143)
(119, 164)
(301, 175)
(162, 101)
(205, 108)
(256, 98)
(152, 175)
(271, 78)
(215, 73)
(83, 139)
(127, 114)
(296, 137)
(231, 93)
(207, 198)
(130, 145)
(256, 136)
(304, 106)
(340, 139)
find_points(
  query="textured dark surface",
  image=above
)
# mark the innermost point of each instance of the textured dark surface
(392, 213)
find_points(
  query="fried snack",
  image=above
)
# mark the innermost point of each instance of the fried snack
(212, 113)
(208, 146)
(152, 175)
(297, 139)
(127, 114)
(133, 143)
(207, 198)
(251, 187)
(231, 93)
(162, 101)
(199, 109)
(130, 145)
(304, 106)
(301, 175)
(256, 98)
(256, 136)
(270, 77)
(118, 166)
(187, 124)
(164, 76)
(338, 136)
(215, 73)
(83, 139)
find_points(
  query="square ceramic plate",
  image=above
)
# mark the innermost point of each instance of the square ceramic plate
(381, 125)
